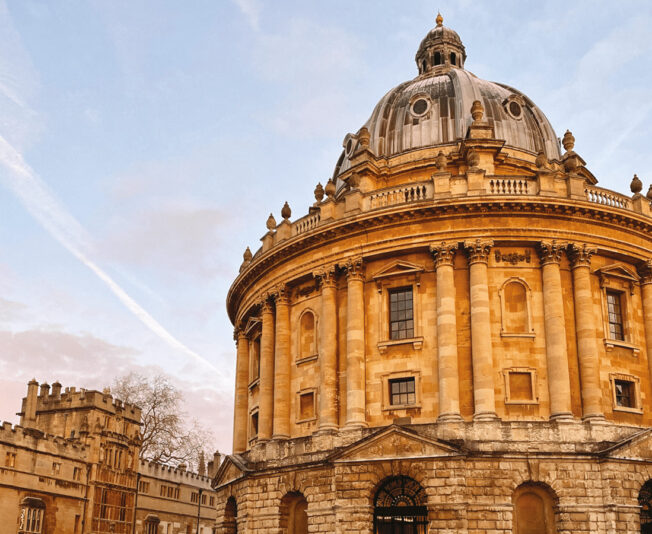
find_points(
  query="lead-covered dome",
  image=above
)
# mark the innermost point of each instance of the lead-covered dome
(435, 108)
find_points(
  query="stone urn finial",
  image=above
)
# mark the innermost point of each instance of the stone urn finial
(363, 137)
(568, 141)
(271, 222)
(286, 212)
(636, 186)
(330, 188)
(541, 160)
(247, 256)
(319, 192)
(649, 193)
(439, 20)
(441, 161)
(477, 111)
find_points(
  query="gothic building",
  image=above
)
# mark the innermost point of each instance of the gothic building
(71, 467)
(457, 336)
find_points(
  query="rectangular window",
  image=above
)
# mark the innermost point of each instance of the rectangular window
(56, 468)
(203, 499)
(176, 493)
(306, 406)
(10, 459)
(164, 491)
(402, 391)
(76, 473)
(255, 359)
(401, 314)
(143, 487)
(211, 501)
(625, 393)
(614, 311)
(194, 497)
(520, 386)
(254, 424)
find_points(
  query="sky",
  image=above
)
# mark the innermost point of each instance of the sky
(144, 144)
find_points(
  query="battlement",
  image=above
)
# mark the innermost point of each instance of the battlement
(21, 437)
(52, 399)
(173, 474)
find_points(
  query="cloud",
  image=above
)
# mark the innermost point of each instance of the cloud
(10, 311)
(251, 9)
(46, 209)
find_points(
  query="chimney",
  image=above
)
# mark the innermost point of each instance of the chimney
(214, 465)
(29, 414)
(56, 390)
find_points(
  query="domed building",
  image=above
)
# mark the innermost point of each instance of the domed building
(457, 336)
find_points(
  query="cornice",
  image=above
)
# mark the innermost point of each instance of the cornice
(563, 209)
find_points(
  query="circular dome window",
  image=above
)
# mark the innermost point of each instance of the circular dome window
(349, 146)
(419, 107)
(515, 109)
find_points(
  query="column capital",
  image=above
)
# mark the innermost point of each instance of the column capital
(326, 276)
(443, 253)
(477, 250)
(550, 251)
(281, 294)
(645, 271)
(580, 254)
(354, 268)
(265, 301)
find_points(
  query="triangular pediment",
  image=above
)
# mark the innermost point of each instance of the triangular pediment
(638, 445)
(232, 468)
(395, 442)
(618, 270)
(397, 268)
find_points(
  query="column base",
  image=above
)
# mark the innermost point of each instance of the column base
(485, 416)
(327, 429)
(595, 419)
(563, 417)
(279, 437)
(355, 425)
(450, 418)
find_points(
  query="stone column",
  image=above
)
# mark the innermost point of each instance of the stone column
(355, 346)
(266, 391)
(240, 408)
(645, 271)
(587, 351)
(328, 418)
(282, 366)
(553, 315)
(481, 350)
(447, 363)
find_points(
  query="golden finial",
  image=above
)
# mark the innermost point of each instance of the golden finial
(439, 20)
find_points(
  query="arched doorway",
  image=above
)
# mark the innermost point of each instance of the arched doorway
(400, 507)
(534, 510)
(645, 501)
(231, 516)
(294, 513)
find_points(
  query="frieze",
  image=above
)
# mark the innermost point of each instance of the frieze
(512, 257)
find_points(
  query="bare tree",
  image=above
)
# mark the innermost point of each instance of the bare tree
(168, 435)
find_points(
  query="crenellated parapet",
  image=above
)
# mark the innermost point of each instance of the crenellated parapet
(19, 437)
(176, 475)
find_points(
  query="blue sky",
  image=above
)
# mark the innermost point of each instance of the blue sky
(143, 145)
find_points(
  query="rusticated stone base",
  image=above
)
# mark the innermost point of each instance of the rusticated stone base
(593, 476)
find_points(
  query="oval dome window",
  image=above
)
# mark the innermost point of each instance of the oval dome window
(420, 106)
(515, 109)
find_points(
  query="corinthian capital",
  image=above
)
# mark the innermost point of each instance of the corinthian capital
(477, 250)
(580, 254)
(326, 276)
(281, 294)
(645, 270)
(354, 269)
(550, 251)
(443, 253)
(266, 302)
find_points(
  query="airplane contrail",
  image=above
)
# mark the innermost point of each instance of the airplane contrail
(35, 195)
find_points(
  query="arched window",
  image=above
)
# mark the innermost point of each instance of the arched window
(231, 516)
(645, 501)
(294, 516)
(533, 510)
(453, 58)
(255, 358)
(437, 60)
(400, 507)
(307, 345)
(32, 516)
(515, 309)
(423, 66)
